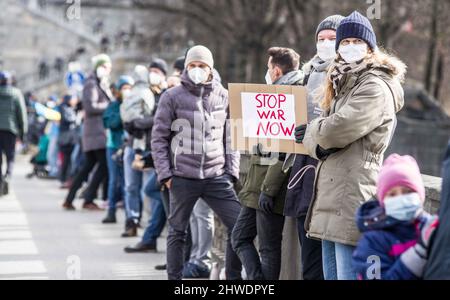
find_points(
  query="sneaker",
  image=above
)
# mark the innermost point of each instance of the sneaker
(193, 271)
(68, 206)
(141, 248)
(161, 267)
(91, 207)
(4, 186)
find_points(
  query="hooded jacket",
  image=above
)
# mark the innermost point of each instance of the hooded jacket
(383, 242)
(268, 176)
(189, 137)
(361, 122)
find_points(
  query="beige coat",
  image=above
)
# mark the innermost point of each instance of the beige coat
(361, 123)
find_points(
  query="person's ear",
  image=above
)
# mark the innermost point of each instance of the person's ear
(279, 73)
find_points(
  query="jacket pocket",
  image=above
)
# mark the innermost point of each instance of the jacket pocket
(331, 191)
(255, 178)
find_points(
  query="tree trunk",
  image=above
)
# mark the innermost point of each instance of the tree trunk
(439, 75)
(432, 48)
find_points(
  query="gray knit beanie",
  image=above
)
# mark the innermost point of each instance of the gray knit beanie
(201, 54)
(332, 23)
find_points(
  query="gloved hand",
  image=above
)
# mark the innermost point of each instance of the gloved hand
(415, 258)
(129, 127)
(266, 203)
(323, 153)
(300, 132)
(428, 229)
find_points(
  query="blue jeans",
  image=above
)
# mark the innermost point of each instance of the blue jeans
(337, 261)
(133, 187)
(52, 156)
(116, 182)
(158, 218)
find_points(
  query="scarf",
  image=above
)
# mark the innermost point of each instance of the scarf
(341, 68)
(105, 86)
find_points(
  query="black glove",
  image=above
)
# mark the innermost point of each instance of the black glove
(129, 127)
(266, 203)
(323, 153)
(300, 132)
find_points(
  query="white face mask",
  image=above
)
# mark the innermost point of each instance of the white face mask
(198, 75)
(326, 50)
(126, 94)
(268, 78)
(102, 73)
(403, 207)
(155, 79)
(352, 53)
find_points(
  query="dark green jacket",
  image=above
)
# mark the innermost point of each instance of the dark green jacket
(267, 177)
(13, 112)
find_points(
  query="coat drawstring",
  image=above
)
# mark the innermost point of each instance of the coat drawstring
(298, 177)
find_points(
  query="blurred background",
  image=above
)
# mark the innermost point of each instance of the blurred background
(41, 38)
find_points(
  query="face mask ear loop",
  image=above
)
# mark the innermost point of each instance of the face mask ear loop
(300, 174)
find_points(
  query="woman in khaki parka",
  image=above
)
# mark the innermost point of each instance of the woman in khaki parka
(361, 98)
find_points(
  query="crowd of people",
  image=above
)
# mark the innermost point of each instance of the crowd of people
(164, 136)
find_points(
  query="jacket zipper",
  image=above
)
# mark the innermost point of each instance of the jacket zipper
(175, 158)
(202, 111)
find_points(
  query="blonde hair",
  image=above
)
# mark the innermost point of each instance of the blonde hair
(379, 58)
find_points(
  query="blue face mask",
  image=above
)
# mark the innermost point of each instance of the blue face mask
(403, 207)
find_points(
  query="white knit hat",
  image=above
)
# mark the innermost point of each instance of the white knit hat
(201, 54)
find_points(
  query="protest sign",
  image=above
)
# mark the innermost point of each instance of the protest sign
(267, 115)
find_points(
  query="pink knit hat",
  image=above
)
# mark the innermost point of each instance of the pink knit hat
(400, 171)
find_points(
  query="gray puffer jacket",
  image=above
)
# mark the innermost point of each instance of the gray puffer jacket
(189, 137)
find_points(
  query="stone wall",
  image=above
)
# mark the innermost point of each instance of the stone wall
(291, 265)
(426, 141)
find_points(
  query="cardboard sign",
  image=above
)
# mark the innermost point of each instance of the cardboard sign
(267, 115)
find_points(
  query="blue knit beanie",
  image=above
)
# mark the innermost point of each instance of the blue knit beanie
(356, 26)
(124, 80)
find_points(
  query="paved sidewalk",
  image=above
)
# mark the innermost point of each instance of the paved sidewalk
(38, 240)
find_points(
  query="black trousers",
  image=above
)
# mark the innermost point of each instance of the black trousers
(7, 147)
(67, 153)
(311, 253)
(93, 158)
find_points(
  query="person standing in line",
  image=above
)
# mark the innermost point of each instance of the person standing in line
(301, 181)
(362, 96)
(115, 140)
(68, 137)
(207, 168)
(96, 98)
